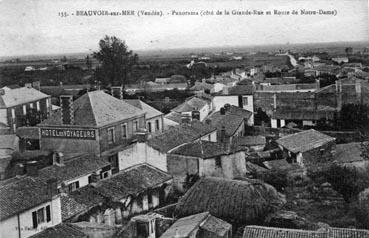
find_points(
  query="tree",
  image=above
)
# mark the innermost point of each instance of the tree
(116, 61)
(354, 116)
(349, 51)
(88, 63)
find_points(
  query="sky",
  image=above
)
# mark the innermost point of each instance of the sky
(30, 27)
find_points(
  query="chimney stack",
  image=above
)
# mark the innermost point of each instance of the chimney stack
(222, 111)
(36, 85)
(52, 187)
(117, 92)
(222, 134)
(32, 168)
(66, 104)
(58, 158)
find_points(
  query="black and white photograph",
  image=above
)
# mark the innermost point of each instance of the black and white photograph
(184, 119)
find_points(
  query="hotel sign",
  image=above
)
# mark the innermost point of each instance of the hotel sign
(84, 134)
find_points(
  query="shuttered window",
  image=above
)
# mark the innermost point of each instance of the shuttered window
(34, 219)
(48, 214)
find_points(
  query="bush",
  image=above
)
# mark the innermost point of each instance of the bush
(277, 178)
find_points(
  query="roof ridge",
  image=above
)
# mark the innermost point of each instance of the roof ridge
(284, 229)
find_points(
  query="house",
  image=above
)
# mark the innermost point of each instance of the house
(254, 143)
(134, 190)
(340, 60)
(276, 232)
(8, 145)
(207, 87)
(162, 80)
(194, 108)
(200, 225)
(240, 95)
(205, 158)
(63, 230)
(230, 121)
(16, 103)
(350, 155)
(76, 171)
(28, 205)
(307, 148)
(154, 118)
(234, 201)
(154, 151)
(95, 123)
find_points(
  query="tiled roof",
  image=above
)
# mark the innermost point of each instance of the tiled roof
(201, 149)
(241, 90)
(280, 164)
(184, 226)
(63, 230)
(97, 109)
(272, 232)
(18, 96)
(350, 152)
(27, 132)
(174, 116)
(73, 168)
(179, 135)
(22, 194)
(80, 201)
(251, 140)
(327, 113)
(190, 105)
(275, 232)
(231, 200)
(133, 180)
(150, 111)
(304, 141)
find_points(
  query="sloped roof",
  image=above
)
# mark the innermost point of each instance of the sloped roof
(149, 110)
(63, 230)
(178, 135)
(28, 132)
(304, 141)
(22, 194)
(274, 232)
(80, 201)
(97, 109)
(73, 168)
(251, 140)
(190, 105)
(234, 201)
(18, 96)
(327, 113)
(174, 116)
(133, 180)
(241, 90)
(184, 226)
(350, 152)
(201, 149)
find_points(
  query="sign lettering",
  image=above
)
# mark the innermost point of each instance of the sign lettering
(68, 133)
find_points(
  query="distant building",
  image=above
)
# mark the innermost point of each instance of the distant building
(194, 108)
(340, 60)
(16, 103)
(202, 225)
(308, 148)
(28, 206)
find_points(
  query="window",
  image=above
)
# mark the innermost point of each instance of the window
(104, 175)
(218, 162)
(111, 137)
(73, 186)
(90, 179)
(24, 109)
(38, 106)
(245, 101)
(136, 126)
(39, 216)
(13, 113)
(31, 105)
(124, 131)
(149, 126)
(157, 126)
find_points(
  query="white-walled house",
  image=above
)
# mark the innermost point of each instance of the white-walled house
(195, 108)
(240, 96)
(28, 205)
(154, 151)
(74, 172)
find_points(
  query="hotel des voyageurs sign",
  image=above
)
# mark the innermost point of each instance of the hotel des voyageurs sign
(85, 134)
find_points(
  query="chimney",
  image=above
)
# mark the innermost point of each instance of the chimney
(2, 91)
(117, 92)
(58, 158)
(222, 134)
(36, 85)
(52, 187)
(227, 107)
(222, 111)
(28, 85)
(19, 169)
(66, 104)
(32, 168)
